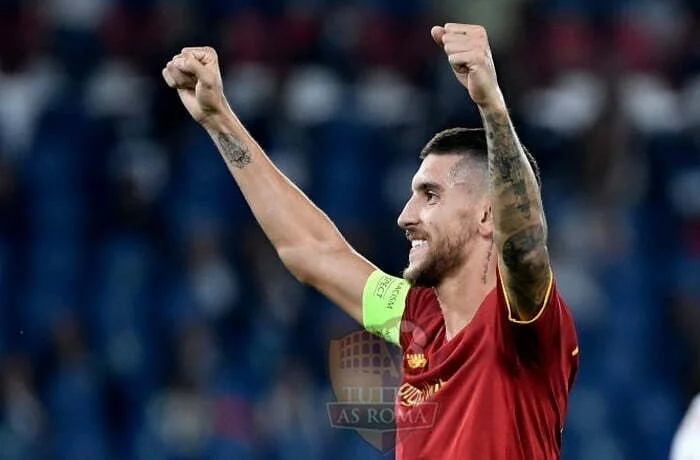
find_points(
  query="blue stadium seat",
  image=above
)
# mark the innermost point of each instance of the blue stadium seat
(74, 407)
(120, 313)
(4, 294)
(344, 167)
(656, 415)
(58, 216)
(225, 449)
(50, 290)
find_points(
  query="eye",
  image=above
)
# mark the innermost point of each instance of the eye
(431, 196)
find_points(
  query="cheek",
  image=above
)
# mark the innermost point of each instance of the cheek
(442, 219)
(432, 220)
(458, 227)
(442, 233)
(467, 218)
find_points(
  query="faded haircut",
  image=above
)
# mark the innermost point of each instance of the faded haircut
(470, 142)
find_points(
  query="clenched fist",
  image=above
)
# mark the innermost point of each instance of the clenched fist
(196, 76)
(467, 49)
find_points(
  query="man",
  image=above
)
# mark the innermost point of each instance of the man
(485, 334)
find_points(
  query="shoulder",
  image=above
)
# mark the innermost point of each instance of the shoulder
(421, 302)
(550, 335)
(422, 309)
(553, 311)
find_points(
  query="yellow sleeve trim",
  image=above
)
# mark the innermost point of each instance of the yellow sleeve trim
(512, 319)
(383, 303)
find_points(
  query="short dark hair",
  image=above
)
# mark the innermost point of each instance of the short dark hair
(471, 142)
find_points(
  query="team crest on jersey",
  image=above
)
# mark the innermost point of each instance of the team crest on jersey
(416, 360)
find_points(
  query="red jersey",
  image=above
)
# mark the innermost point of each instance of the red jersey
(498, 388)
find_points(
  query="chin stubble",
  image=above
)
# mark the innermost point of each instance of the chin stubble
(439, 263)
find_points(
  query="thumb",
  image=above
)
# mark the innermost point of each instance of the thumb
(438, 32)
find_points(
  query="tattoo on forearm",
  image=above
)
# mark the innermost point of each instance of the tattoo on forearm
(517, 212)
(234, 152)
(522, 199)
(508, 165)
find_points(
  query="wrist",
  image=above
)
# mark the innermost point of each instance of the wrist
(224, 121)
(494, 108)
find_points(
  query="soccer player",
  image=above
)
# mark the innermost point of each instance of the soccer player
(487, 338)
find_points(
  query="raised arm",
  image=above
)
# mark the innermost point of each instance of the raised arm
(520, 230)
(308, 243)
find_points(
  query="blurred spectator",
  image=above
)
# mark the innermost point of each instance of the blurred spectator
(288, 417)
(24, 424)
(74, 399)
(214, 284)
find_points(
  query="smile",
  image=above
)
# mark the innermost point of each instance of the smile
(418, 250)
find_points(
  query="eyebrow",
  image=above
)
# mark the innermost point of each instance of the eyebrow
(428, 186)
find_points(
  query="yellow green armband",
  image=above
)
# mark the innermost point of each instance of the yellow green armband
(383, 303)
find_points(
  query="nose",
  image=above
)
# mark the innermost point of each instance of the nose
(409, 215)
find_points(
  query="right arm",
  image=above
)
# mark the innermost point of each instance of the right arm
(305, 239)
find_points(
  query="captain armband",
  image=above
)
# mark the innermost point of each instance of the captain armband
(383, 303)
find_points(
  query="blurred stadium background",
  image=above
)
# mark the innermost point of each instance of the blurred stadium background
(142, 313)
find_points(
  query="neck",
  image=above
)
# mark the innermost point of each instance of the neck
(462, 293)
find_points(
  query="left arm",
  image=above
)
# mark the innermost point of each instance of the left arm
(520, 230)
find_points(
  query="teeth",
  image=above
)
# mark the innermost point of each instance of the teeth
(418, 243)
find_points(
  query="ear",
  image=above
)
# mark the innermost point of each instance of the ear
(485, 224)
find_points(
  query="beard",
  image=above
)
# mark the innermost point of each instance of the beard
(442, 259)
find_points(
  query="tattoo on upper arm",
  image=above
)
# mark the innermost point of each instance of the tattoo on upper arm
(234, 152)
(525, 256)
(518, 247)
